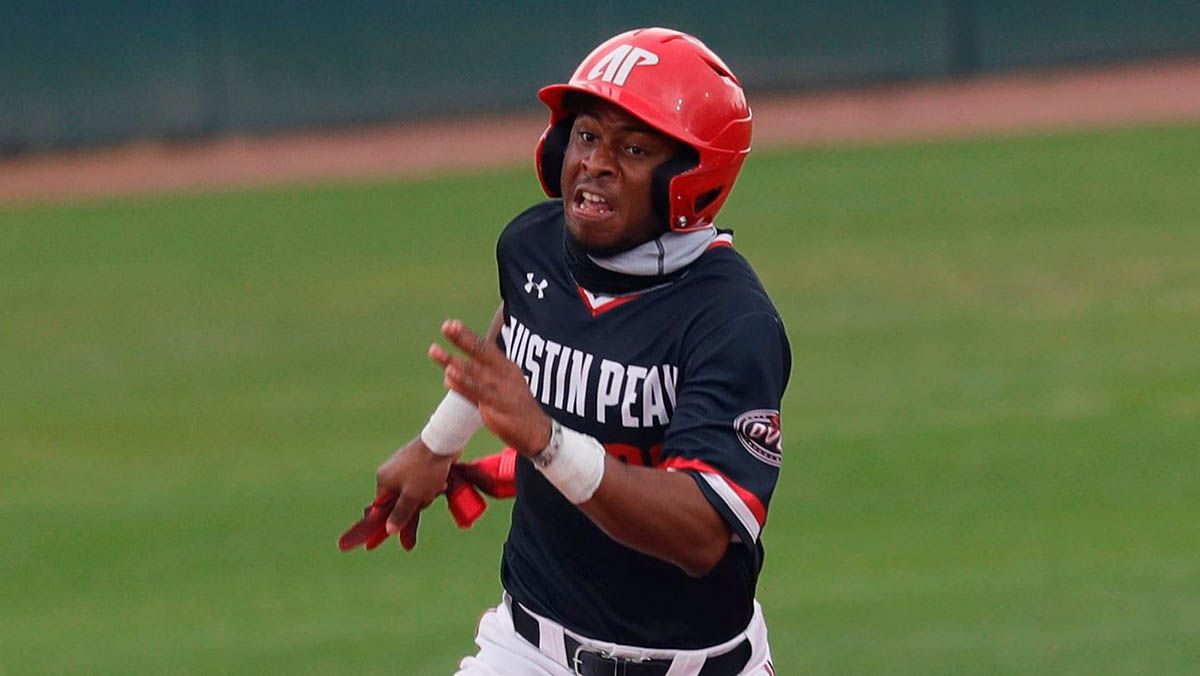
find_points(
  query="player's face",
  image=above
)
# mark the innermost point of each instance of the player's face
(606, 177)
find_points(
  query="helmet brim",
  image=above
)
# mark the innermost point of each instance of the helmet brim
(629, 101)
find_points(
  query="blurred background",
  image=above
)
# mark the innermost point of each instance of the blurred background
(228, 231)
(113, 70)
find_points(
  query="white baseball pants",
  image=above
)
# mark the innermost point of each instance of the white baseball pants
(502, 652)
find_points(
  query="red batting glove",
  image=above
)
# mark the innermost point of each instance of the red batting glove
(465, 503)
(495, 475)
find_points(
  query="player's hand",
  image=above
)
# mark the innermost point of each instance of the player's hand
(415, 475)
(497, 386)
(494, 475)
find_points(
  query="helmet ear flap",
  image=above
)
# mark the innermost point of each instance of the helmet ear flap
(552, 152)
(660, 182)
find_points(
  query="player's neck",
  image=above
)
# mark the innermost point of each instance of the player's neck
(659, 261)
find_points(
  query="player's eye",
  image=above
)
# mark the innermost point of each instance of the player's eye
(587, 137)
(636, 151)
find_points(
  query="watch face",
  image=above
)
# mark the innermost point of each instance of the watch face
(547, 454)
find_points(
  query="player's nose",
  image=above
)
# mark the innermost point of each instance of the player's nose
(598, 161)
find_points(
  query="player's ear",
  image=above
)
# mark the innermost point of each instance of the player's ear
(554, 148)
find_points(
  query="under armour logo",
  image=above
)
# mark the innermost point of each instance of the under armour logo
(530, 285)
(616, 65)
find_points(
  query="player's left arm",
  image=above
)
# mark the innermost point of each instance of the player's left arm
(662, 514)
(723, 447)
(725, 432)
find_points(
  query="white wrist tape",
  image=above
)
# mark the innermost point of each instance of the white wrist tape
(573, 462)
(451, 425)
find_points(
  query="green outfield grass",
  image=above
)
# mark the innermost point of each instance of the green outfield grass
(992, 432)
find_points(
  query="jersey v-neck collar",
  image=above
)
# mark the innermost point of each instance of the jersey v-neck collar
(599, 303)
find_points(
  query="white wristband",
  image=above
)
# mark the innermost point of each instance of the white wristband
(451, 425)
(573, 462)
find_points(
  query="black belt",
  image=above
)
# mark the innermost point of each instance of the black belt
(592, 663)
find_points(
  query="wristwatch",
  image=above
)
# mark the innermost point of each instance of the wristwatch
(547, 454)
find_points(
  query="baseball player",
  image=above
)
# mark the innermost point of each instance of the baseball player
(636, 366)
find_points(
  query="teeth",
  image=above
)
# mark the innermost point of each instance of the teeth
(591, 197)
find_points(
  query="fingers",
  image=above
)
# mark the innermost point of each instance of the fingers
(371, 529)
(408, 534)
(361, 532)
(475, 372)
(466, 385)
(452, 361)
(404, 510)
(377, 537)
(475, 345)
(462, 375)
(383, 498)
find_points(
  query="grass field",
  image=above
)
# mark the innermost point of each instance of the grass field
(992, 430)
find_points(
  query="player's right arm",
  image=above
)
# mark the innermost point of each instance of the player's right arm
(724, 476)
(416, 473)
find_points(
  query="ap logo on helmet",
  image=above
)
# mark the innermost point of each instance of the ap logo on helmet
(616, 65)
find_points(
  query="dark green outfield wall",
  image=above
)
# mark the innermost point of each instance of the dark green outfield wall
(108, 70)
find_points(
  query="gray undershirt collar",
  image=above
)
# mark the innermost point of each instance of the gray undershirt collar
(660, 256)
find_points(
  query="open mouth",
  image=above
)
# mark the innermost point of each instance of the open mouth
(590, 205)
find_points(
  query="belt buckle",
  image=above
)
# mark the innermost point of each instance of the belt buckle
(617, 662)
(576, 663)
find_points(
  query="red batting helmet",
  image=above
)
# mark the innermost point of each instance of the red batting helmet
(677, 85)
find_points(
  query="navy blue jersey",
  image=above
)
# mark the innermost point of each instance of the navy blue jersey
(686, 376)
